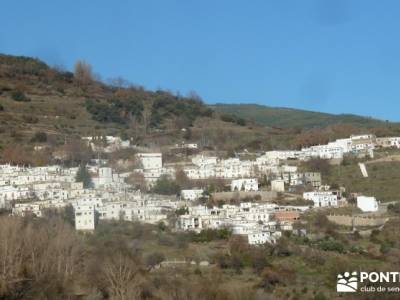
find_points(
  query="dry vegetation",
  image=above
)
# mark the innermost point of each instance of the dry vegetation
(47, 259)
(36, 98)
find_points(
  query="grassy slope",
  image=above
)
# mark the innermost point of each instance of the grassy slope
(287, 117)
(383, 180)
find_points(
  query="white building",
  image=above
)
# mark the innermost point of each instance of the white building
(282, 154)
(278, 185)
(190, 223)
(386, 142)
(322, 198)
(329, 151)
(84, 217)
(367, 204)
(183, 145)
(152, 167)
(150, 160)
(245, 184)
(262, 237)
(27, 209)
(192, 194)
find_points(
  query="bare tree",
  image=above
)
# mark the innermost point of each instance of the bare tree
(194, 96)
(11, 255)
(83, 73)
(138, 181)
(122, 277)
(146, 117)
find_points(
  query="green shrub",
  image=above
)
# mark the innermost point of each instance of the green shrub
(166, 186)
(233, 119)
(19, 96)
(331, 245)
(394, 208)
(154, 259)
(83, 176)
(208, 235)
(39, 137)
(184, 109)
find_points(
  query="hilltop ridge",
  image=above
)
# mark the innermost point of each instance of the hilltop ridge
(44, 105)
(290, 117)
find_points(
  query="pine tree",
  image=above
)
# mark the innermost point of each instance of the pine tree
(83, 176)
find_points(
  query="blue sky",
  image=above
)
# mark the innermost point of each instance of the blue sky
(339, 56)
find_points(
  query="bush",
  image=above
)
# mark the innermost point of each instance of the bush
(154, 259)
(394, 208)
(184, 109)
(270, 278)
(320, 296)
(182, 211)
(19, 96)
(165, 240)
(115, 110)
(208, 235)
(259, 260)
(318, 165)
(166, 186)
(223, 261)
(30, 119)
(39, 137)
(233, 119)
(331, 245)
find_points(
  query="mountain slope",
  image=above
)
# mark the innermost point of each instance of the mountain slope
(288, 117)
(51, 108)
(38, 100)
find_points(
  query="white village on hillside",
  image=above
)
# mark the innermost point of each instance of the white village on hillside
(40, 191)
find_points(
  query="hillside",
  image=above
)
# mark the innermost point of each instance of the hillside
(42, 105)
(34, 96)
(288, 117)
(45, 106)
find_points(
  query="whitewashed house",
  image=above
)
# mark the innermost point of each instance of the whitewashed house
(367, 204)
(278, 185)
(27, 209)
(150, 160)
(282, 155)
(261, 237)
(322, 198)
(386, 142)
(192, 195)
(244, 184)
(84, 217)
(190, 223)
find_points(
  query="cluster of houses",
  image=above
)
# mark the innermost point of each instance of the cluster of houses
(132, 207)
(260, 222)
(243, 174)
(355, 144)
(271, 163)
(34, 191)
(37, 190)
